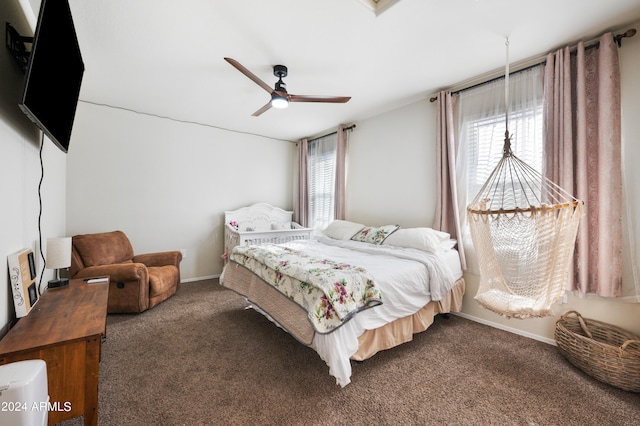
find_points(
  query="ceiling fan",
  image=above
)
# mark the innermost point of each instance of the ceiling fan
(280, 98)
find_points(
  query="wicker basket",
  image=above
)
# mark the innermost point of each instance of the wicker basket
(608, 353)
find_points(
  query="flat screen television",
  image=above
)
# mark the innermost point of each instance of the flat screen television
(54, 73)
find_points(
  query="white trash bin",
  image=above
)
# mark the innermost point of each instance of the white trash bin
(24, 394)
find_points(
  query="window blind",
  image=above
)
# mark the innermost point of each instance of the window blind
(482, 115)
(321, 172)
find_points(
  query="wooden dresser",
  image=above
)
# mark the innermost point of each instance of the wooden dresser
(65, 329)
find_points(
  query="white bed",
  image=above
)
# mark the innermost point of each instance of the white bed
(415, 285)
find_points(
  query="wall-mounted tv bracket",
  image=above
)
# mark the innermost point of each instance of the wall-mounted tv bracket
(16, 45)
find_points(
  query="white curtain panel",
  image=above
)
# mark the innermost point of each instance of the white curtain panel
(480, 126)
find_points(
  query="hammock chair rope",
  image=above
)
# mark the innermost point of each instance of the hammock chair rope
(523, 228)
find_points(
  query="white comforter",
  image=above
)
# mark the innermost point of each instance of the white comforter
(407, 278)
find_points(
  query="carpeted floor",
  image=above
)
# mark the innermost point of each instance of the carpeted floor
(200, 358)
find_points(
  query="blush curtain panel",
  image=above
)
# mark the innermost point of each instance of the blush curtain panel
(447, 214)
(339, 211)
(301, 203)
(583, 155)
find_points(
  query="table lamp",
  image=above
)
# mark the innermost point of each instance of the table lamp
(58, 257)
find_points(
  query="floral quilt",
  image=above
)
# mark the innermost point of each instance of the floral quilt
(330, 292)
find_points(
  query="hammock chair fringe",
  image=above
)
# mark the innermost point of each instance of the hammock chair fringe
(532, 209)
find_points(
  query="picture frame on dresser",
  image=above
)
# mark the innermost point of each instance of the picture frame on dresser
(23, 274)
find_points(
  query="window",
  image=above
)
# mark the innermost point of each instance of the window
(321, 172)
(481, 128)
(486, 143)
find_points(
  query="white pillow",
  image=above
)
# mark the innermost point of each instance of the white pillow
(448, 244)
(342, 229)
(426, 239)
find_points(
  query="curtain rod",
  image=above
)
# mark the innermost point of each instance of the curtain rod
(353, 126)
(527, 64)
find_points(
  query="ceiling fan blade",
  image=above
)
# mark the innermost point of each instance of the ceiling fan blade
(311, 98)
(263, 109)
(249, 74)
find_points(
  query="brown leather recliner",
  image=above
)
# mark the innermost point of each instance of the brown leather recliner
(136, 283)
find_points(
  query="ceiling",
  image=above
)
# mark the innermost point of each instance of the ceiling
(165, 58)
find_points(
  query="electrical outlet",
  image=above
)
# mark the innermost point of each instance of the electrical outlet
(184, 253)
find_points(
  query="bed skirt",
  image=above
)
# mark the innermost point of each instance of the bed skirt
(402, 330)
(293, 318)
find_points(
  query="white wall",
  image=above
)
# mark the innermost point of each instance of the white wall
(391, 163)
(20, 171)
(392, 180)
(166, 184)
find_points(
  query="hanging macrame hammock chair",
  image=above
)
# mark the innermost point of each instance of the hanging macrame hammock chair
(523, 228)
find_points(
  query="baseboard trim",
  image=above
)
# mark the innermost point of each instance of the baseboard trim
(505, 328)
(208, 277)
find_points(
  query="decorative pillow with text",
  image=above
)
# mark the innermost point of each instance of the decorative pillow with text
(373, 235)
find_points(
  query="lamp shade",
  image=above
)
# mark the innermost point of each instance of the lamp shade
(58, 253)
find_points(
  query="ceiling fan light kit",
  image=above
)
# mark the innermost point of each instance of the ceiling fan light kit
(279, 101)
(280, 98)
